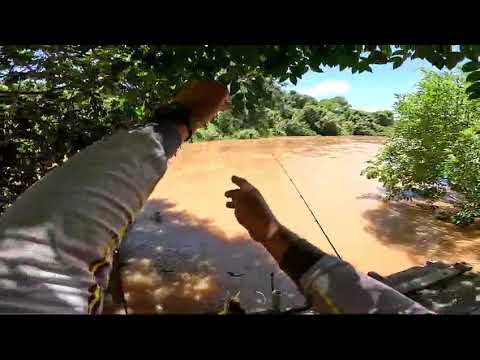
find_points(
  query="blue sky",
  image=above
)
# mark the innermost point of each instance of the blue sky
(367, 91)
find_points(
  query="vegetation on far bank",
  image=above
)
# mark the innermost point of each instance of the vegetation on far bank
(291, 114)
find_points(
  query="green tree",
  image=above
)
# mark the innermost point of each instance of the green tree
(57, 99)
(329, 125)
(337, 105)
(207, 134)
(432, 144)
(247, 134)
(298, 125)
(310, 115)
(298, 101)
(226, 123)
(319, 119)
(463, 172)
(383, 118)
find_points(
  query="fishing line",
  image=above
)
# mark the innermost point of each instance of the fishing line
(308, 207)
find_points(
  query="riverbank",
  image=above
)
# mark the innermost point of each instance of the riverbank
(229, 138)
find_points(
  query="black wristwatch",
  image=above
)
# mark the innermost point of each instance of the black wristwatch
(177, 113)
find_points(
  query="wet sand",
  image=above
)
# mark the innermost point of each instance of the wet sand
(198, 253)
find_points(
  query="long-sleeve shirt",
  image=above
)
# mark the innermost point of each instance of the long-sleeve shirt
(57, 239)
(335, 286)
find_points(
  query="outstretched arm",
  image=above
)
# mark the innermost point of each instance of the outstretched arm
(57, 239)
(332, 285)
(293, 254)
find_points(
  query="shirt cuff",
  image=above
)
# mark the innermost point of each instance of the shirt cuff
(325, 264)
(170, 137)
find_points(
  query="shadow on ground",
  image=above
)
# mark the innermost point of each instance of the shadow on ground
(175, 262)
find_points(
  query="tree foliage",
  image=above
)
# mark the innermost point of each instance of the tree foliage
(55, 100)
(434, 145)
(293, 114)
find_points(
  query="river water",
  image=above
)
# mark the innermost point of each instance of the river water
(193, 254)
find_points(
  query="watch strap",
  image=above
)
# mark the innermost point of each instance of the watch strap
(175, 112)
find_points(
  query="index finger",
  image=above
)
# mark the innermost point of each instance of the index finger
(241, 182)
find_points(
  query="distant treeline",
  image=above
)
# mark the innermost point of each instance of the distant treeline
(291, 114)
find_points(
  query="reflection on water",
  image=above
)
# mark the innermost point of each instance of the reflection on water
(418, 233)
(184, 263)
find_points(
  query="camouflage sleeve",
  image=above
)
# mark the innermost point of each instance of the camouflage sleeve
(334, 286)
(57, 239)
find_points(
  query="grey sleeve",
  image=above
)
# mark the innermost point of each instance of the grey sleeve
(334, 286)
(57, 239)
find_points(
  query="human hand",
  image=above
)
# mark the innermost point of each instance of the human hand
(204, 99)
(251, 210)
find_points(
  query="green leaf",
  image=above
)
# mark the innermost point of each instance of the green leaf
(452, 59)
(257, 84)
(237, 100)
(476, 51)
(474, 88)
(317, 69)
(299, 70)
(424, 52)
(474, 76)
(397, 61)
(293, 79)
(471, 66)
(397, 64)
(377, 57)
(436, 60)
(474, 96)
(364, 66)
(283, 77)
(387, 50)
(234, 87)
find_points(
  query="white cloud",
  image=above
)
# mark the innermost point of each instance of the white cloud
(328, 88)
(372, 108)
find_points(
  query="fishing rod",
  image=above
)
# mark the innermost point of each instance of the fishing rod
(308, 207)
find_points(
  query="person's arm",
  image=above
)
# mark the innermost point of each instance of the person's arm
(57, 239)
(293, 254)
(331, 285)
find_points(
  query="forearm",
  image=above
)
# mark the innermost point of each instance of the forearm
(330, 284)
(294, 255)
(335, 286)
(61, 232)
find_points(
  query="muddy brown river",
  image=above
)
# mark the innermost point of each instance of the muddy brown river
(195, 253)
